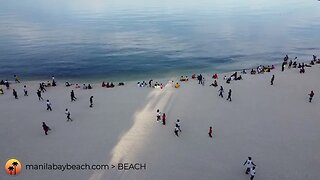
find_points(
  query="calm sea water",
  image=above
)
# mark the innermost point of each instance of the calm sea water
(148, 38)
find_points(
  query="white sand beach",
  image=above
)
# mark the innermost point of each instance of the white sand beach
(275, 125)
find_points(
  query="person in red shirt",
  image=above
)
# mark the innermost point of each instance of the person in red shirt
(164, 119)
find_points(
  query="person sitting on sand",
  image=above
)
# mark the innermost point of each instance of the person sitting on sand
(1, 91)
(1, 82)
(214, 84)
(193, 76)
(89, 86)
(244, 71)
(239, 78)
(77, 86)
(177, 85)
(103, 84)
(122, 84)
(253, 71)
(111, 85)
(84, 86)
(228, 80)
(48, 84)
(215, 76)
(67, 84)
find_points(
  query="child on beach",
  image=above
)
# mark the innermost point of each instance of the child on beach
(25, 90)
(49, 106)
(45, 128)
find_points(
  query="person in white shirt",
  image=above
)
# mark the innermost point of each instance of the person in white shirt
(49, 106)
(178, 125)
(68, 115)
(249, 164)
(158, 115)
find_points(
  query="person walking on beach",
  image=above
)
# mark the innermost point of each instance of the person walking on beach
(249, 164)
(158, 115)
(164, 118)
(283, 66)
(176, 130)
(229, 95)
(91, 101)
(272, 79)
(252, 172)
(68, 115)
(49, 106)
(39, 95)
(203, 81)
(41, 87)
(311, 96)
(221, 91)
(210, 132)
(15, 94)
(200, 79)
(73, 97)
(25, 90)
(45, 128)
(178, 125)
(16, 79)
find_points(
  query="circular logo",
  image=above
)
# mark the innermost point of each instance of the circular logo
(13, 167)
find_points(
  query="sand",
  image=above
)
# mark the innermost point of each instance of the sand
(276, 125)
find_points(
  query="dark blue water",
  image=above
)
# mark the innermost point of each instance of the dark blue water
(147, 38)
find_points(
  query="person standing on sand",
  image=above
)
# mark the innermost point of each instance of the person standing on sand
(45, 128)
(164, 119)
(91, 101)
(15, 94)
(229, 95)
(68, 115)
(25, 90)
(150, 83)
(6, 82)
(158, 115)
(221, 91)
(41, 87)
(283, 66)
(249, 164)
(73, 97)
(252, 172)
(178, 125)
(199, 79)
(311, 96)
(272, 79)
(39, 95)
(210, 132)
(49, 106)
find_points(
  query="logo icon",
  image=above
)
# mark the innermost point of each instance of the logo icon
(13, 167)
